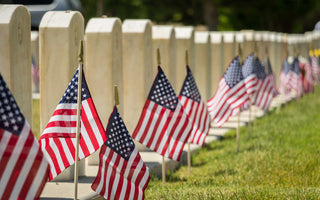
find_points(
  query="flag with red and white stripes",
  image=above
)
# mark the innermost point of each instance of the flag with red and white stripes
(58, 140)
(315, 68)
(164, 127)
(122, 173)
(284, 79)
(231, 94)
(249, 71)
(23, 168)
(295, 81)
(270, 75)
(250, 75)
(264, 94)
(196, 110)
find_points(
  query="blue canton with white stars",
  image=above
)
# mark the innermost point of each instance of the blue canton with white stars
(233, 75)
(286, 67)
(118, 138)
(247, 68)
(189, 88)
(11, 118)
(295, 66)
(259, 69)
(162, 92)
(71, 93)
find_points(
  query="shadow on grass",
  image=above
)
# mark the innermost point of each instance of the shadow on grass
(225, 172)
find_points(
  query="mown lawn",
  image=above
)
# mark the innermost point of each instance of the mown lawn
(279, 161)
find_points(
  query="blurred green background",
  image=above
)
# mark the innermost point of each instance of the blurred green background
(291, 16)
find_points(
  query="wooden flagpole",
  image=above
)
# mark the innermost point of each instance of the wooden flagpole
(189, 151)
(238, 131)
(80, 58)
(256, 52)
(116, 96)
(163, 161)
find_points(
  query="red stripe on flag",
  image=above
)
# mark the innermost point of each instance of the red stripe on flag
(144, 111)
(18, 166)
(156, 127)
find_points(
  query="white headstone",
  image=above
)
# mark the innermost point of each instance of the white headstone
(217, 60)
(184, 41)
(15, 55)
(59, 37)
(163, 38)
(103, 61)
(138, 72)
(203, 63)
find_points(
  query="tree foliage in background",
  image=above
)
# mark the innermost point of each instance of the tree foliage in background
(274, 15)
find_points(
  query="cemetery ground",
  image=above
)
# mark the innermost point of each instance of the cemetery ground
(280, 160)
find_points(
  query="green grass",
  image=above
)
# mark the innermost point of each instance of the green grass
(279, 161)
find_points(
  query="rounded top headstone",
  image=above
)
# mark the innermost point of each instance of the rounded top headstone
(229, 37)
(249, 34)
(273, 37)
(279, 37)
(216, 37)
(202, 37)
(60, 19)
(184, 32)
(7, 11)
(258, 36)
(266, 36)
(105, 25)
(135, 25)
(162, 31)
(240, 37)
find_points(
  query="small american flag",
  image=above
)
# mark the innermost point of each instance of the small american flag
(23, 167)
(231, 94)
(122, 173)
(249, 74)
(164, 127)
(195, 108)
(295, 81)
(307, 79)
(263, 95)
(270, 75)
(58, 140)
(284, 79)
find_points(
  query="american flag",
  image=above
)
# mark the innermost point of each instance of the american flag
(263, 95)
(231, 94)
(315, 68)
(306, 74)
(195, 108)
(270, 75)
(164, 127)
(23, 167)
(284, 79)
(122, 173)
(58, 140)
(249, 74)
(295, 81)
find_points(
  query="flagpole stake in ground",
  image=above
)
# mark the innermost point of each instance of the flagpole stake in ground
(189, 159)
(163, 161)
(189, 152)
(163, 170)
(238, 131)
(78, 120)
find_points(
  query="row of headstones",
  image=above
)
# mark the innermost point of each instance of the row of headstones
(122, 54)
